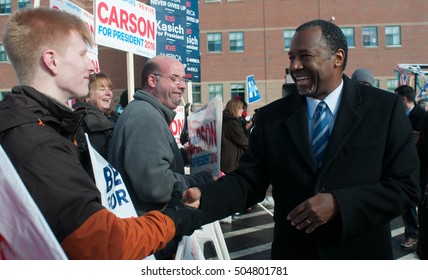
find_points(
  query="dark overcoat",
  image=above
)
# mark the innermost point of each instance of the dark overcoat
(371, 167)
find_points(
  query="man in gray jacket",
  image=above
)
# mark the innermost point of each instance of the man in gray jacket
(143, 148)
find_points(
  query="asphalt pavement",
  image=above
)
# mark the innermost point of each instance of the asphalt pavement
(250, 237)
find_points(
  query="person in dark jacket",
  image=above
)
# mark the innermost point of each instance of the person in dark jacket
(247, 124)
(48, 49)
(99, 119)
(415, 114)
(233, 139)
(334, 207)
(422, 145)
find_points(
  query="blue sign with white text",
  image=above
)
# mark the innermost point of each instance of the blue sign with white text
(252, 90)
(178, 33)
(193, 65)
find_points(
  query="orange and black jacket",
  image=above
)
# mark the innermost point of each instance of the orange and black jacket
(37, 134)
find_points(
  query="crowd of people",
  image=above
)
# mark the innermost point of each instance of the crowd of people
(38, 134)
(340, 166)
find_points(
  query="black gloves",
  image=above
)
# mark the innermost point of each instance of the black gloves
(186, 219)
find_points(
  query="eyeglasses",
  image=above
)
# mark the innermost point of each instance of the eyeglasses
(174, 79)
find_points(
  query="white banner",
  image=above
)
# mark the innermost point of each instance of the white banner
(24, 232)
(126, 25)
(177, 124)
(115, 197)
(205, 137)
(114, 194)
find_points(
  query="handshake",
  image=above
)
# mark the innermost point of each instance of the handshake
(186, 219)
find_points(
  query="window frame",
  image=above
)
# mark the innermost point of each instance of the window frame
(369, 29)
(3, 55)
(291, 33)
(214, 90)
(393, 35)
(237, 89)
(23, 4)
(376, 83)
(391, 84)
(5, 7)
(234, 43)
(348, 37)
(196, 94)
(215, 42)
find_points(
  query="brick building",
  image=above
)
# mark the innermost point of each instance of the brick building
(244, 37)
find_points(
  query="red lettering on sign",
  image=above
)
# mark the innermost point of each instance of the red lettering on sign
(123, 20)
(132, 19)
(170, 48)
(102, 6)
(91, 28)
(126, 21)
(176, 127)
(96, 65)
(170, 18)
(207, 134)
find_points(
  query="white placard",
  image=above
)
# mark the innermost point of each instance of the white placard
(24, 232)
(204, 128)
(126, 25)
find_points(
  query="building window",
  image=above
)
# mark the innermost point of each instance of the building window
(237, 90)
(3, 54)
(214, 90)
(196, 94)
(393, 35)
(236, 41)
(5, 7)
(391, 84)
(214, 42)
(3, 94)
(23, 4)
(369, 36)
(376, 83)
(288, 35)
(349, 34)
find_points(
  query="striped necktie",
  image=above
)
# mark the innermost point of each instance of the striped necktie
(321, 132)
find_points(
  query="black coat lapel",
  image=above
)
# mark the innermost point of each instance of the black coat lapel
(296, 125)
(346, 121)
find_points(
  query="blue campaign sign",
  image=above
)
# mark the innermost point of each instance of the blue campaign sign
(171, 28)
(178, 33)
(193, 65)
(252, 90)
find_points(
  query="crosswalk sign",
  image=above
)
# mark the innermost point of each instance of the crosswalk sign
(252, 90)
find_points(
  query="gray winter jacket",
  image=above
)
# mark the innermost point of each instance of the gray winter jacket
(146, 154)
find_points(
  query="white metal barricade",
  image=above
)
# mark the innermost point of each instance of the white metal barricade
(212, 232)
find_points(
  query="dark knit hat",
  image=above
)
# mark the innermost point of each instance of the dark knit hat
(363, 76)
